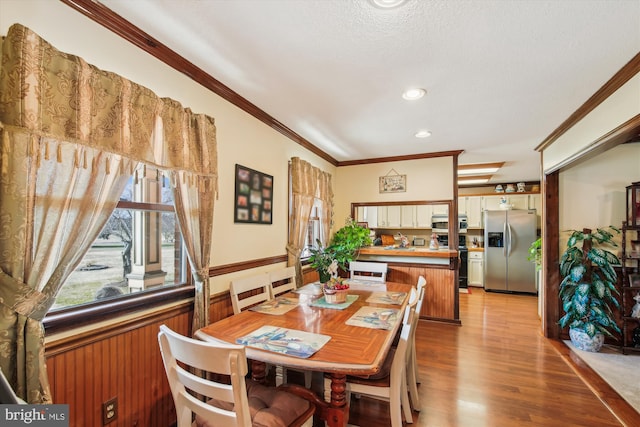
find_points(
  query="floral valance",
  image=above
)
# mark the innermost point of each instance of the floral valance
(49, 93)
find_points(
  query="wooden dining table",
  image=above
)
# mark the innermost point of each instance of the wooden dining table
(350, 349)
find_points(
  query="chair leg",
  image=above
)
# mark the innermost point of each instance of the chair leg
(281, 375)
(412, 385)
(307, 379)
(414, 359)
(406, 407)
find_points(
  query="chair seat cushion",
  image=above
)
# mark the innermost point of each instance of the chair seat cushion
(268, 406)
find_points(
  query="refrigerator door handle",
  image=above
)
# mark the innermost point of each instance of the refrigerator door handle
(504, 237)
(508, 239)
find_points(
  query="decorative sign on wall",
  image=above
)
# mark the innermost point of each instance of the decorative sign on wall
(254, 196)
(393, 182)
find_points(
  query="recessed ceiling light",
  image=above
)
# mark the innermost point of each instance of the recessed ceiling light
(423, 134)
(387, 4)
(413, 94)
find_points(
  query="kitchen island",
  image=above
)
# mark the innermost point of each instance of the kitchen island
(439, 267)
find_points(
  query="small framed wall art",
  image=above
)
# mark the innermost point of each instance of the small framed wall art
(393, 183)
(253, 197)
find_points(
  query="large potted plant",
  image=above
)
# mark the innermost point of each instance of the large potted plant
(342, 249)
(588, 287)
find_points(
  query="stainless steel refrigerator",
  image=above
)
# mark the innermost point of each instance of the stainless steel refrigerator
(507, 236)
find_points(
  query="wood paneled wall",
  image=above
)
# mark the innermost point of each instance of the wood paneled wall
(122, 361)
(441, 297)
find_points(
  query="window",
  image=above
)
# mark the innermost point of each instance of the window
(314, 230)
(139, 249)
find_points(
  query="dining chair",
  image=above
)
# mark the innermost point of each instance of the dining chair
(249, 291)
(390, 383)
(412, 365)
(286, 280)
(241, 403)
(371, 271)
(288, 276)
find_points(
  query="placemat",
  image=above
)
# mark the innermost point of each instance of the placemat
(279, 305)
(321, 302)
(374, 317)
(366, 285)
(393, 298)
(282, 340)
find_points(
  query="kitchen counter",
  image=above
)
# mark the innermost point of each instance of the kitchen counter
(412, 251)
(475, 249)
(412, 254)
(438, 267)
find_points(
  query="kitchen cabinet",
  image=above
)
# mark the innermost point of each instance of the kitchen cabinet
(399, 216)
(472, 207)
(535, 202)
(440, 210)
(368, 214)
(475, 265)
(408, 216)
(423, 216)
(518, 201)
(389, 216)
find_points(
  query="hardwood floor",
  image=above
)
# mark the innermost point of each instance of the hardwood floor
(498, 370)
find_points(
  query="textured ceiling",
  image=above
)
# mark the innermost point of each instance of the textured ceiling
(500, 75)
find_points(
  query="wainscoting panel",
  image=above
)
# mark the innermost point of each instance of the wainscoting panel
(123, 362)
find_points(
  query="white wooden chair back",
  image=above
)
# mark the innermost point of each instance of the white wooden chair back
(412, 364)
(371, 271)
(249, 291)
(286, 275)
(396, 391)
(221, 358)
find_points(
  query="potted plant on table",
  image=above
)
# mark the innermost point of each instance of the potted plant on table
(342, 249)
(588, 287)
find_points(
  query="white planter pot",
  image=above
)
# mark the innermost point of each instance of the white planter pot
(583, 341)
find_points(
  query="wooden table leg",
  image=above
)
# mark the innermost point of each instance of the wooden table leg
(338, 412)
(259, 371)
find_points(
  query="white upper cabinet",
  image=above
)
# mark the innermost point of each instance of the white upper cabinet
(389, 216)
(423, 216)
(472, 207)
(408, 216)
(517, 201)
(535, 202)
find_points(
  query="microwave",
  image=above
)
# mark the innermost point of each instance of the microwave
(440, 223)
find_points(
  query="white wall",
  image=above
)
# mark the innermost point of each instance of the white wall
(593, 193)
(427, 179)
(241, 138)
(618, 108)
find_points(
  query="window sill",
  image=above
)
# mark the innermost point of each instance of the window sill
(65, 319)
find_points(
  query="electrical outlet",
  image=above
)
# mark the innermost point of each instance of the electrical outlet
(109, 410)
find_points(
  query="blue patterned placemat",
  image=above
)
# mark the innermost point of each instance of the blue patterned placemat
(276, 306)
(374, 317)
(394, 298)
(282, 340)
(321, 302)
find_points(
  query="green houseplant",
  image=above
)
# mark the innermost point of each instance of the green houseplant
(588, 287)
(535, 253)
(342, 249)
